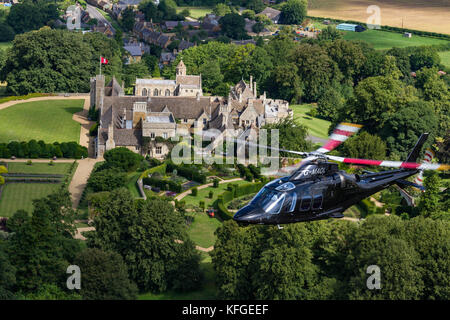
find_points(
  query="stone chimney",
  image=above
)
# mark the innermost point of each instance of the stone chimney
(240, 97)
(110, 144)
(254, 89)
(251, 82)
(198, 96)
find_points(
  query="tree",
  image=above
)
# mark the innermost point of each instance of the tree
(376, 99)
(232, 25)
(330, 104)
(27, 16)
(443, 145)
(221, 10)
(42, 244)
(348, 55)
(365, 146)
(256, 5)
(107, 180)
(57, 61)
(7, 275)
(316, 70)
(2, 170)
(429, 205)
(403, 128)
(49, 292)
(134, 71)
(294, 11)
(123, 158)
(402, 60)
(151, 11)
(150, 236)
(292, 135)
(330, 33)
(105, 276)
(128, 19)
(6, 32)
(212, 77)
(424, 57)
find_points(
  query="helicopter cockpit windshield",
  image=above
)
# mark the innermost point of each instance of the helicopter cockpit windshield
(273, 201)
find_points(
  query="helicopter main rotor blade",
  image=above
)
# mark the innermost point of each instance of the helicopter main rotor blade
(341, 133)
(393, 164)
(272, 148)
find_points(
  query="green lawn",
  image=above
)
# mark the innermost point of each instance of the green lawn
(201, 231)
(445, 58)
(132, 185)
(5, 45)
(317, 127)
(196, 12)
(386, 40)
(18, 196)
(49, 120)
(207, 292)
(203, 194)
(22, 167)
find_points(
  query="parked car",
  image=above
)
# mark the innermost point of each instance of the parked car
(210, 212)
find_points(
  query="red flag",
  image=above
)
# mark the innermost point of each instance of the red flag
(103, 60)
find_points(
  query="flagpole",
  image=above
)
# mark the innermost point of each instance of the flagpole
(100, 60)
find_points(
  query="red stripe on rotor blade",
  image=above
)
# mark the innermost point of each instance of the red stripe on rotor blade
(363, 161)
(331, 144)
(343, 132)
(410, 165)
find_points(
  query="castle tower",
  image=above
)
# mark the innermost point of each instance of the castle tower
(181, 69)
(97, 90)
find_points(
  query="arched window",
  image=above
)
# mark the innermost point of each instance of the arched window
(167, 92)
(144, 92)
(155, 92)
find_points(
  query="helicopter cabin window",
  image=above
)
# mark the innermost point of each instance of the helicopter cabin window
(317, 204)
(306, 203)
(291, 201)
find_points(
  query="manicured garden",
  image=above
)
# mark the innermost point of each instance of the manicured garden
(17, 196)
(50, 121)
(196, 12)
(20, 195)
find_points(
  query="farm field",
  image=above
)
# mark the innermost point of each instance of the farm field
(317, 127)
(196, 12)
(22, 167)
(17, 196)
(50, 121)
(445, 58)
(431, 15)
(385, 40)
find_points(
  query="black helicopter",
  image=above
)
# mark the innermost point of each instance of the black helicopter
(319, 190)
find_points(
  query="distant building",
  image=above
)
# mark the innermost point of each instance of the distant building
(271, 13)
(407, 34)
(135, 50)
(350, 27)
(183, 85)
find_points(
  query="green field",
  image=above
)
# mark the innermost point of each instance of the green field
(317, 127)
(132, 178)
(207, 291)
(50, 121)
(18, 196)
(22, 167)
(196, 12)
(201, 231)
(385, 40)
(445, 58)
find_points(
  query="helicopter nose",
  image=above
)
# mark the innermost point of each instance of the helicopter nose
(248, 215)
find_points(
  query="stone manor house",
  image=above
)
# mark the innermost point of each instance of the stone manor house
(165, 108)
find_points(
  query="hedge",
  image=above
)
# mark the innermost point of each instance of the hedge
(190, 173)
(163, 184)
(39, 149)
(160, 169)
(25, 97)
(238, 191)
